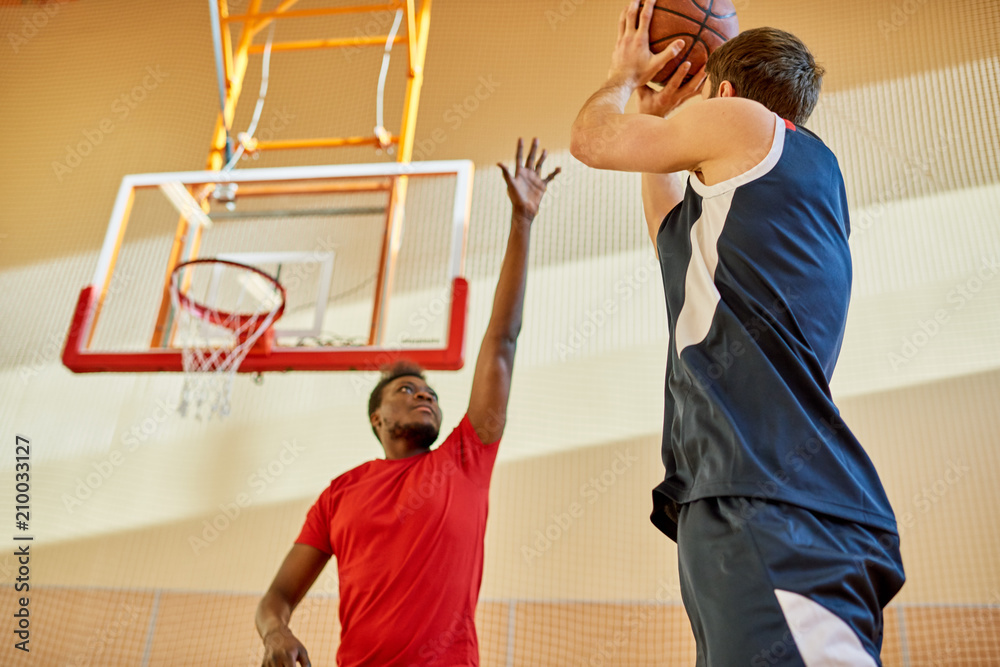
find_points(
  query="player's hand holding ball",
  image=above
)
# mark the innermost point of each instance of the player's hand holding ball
(632, 61)
(666, 43)
(673, 94)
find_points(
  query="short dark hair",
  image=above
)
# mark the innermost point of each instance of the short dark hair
(395, 370)
(772, 67)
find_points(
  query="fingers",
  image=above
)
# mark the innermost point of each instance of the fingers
(530, 162)
(541, 160)
(677, 78)
(697, 81)
(506, 174)
(645, 16)
(548, 179)
(680, 90)
(631, 11)
(668, 54)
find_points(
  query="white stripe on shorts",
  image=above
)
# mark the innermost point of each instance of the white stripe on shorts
(823, 638)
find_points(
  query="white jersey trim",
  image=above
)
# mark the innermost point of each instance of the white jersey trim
(701, 297)
(755, 172)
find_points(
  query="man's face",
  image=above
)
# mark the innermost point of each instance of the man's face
(410, 411)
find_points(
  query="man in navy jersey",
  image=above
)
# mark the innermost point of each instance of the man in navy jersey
(787, 545)
(407, 530)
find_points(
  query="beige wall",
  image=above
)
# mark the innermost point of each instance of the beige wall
(936, 448)
(925, 208)
(542, 59)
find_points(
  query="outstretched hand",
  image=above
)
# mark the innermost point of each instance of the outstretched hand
(527, 186)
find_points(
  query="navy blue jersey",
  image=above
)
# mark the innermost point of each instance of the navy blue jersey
(757, 276)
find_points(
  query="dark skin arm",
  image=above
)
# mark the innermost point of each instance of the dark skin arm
(487, 405)
(296, 575)
(495, 365)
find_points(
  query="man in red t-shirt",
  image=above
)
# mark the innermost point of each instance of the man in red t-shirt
(407, 530)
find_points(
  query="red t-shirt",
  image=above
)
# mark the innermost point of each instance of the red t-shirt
(408, 538)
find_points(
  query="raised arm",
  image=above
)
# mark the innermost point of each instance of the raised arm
(296, 575)
(662, 192)
(603, 136)
(495, 365)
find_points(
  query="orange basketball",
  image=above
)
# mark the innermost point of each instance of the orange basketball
(703, 25)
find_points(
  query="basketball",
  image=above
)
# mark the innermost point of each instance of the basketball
(703, 25)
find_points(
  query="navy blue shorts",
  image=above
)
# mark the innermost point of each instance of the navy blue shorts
(775, 584)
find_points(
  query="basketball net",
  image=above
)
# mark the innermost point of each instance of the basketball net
(224, 312)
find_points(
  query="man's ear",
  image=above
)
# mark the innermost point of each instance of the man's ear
(726, 89)
(375, 419)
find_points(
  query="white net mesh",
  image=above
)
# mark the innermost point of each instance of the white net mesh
(223, 311)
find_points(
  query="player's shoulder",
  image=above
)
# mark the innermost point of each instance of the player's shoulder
(802, 138)
(462, 431)
(346, 479)
(731, 128)
(734, 112)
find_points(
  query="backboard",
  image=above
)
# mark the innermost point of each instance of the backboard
(371, 258)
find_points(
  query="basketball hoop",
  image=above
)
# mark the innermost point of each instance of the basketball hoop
(224, 312)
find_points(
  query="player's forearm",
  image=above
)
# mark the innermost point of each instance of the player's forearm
(508, 300)
(495, 365)
(273, 613)
(599, 123)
